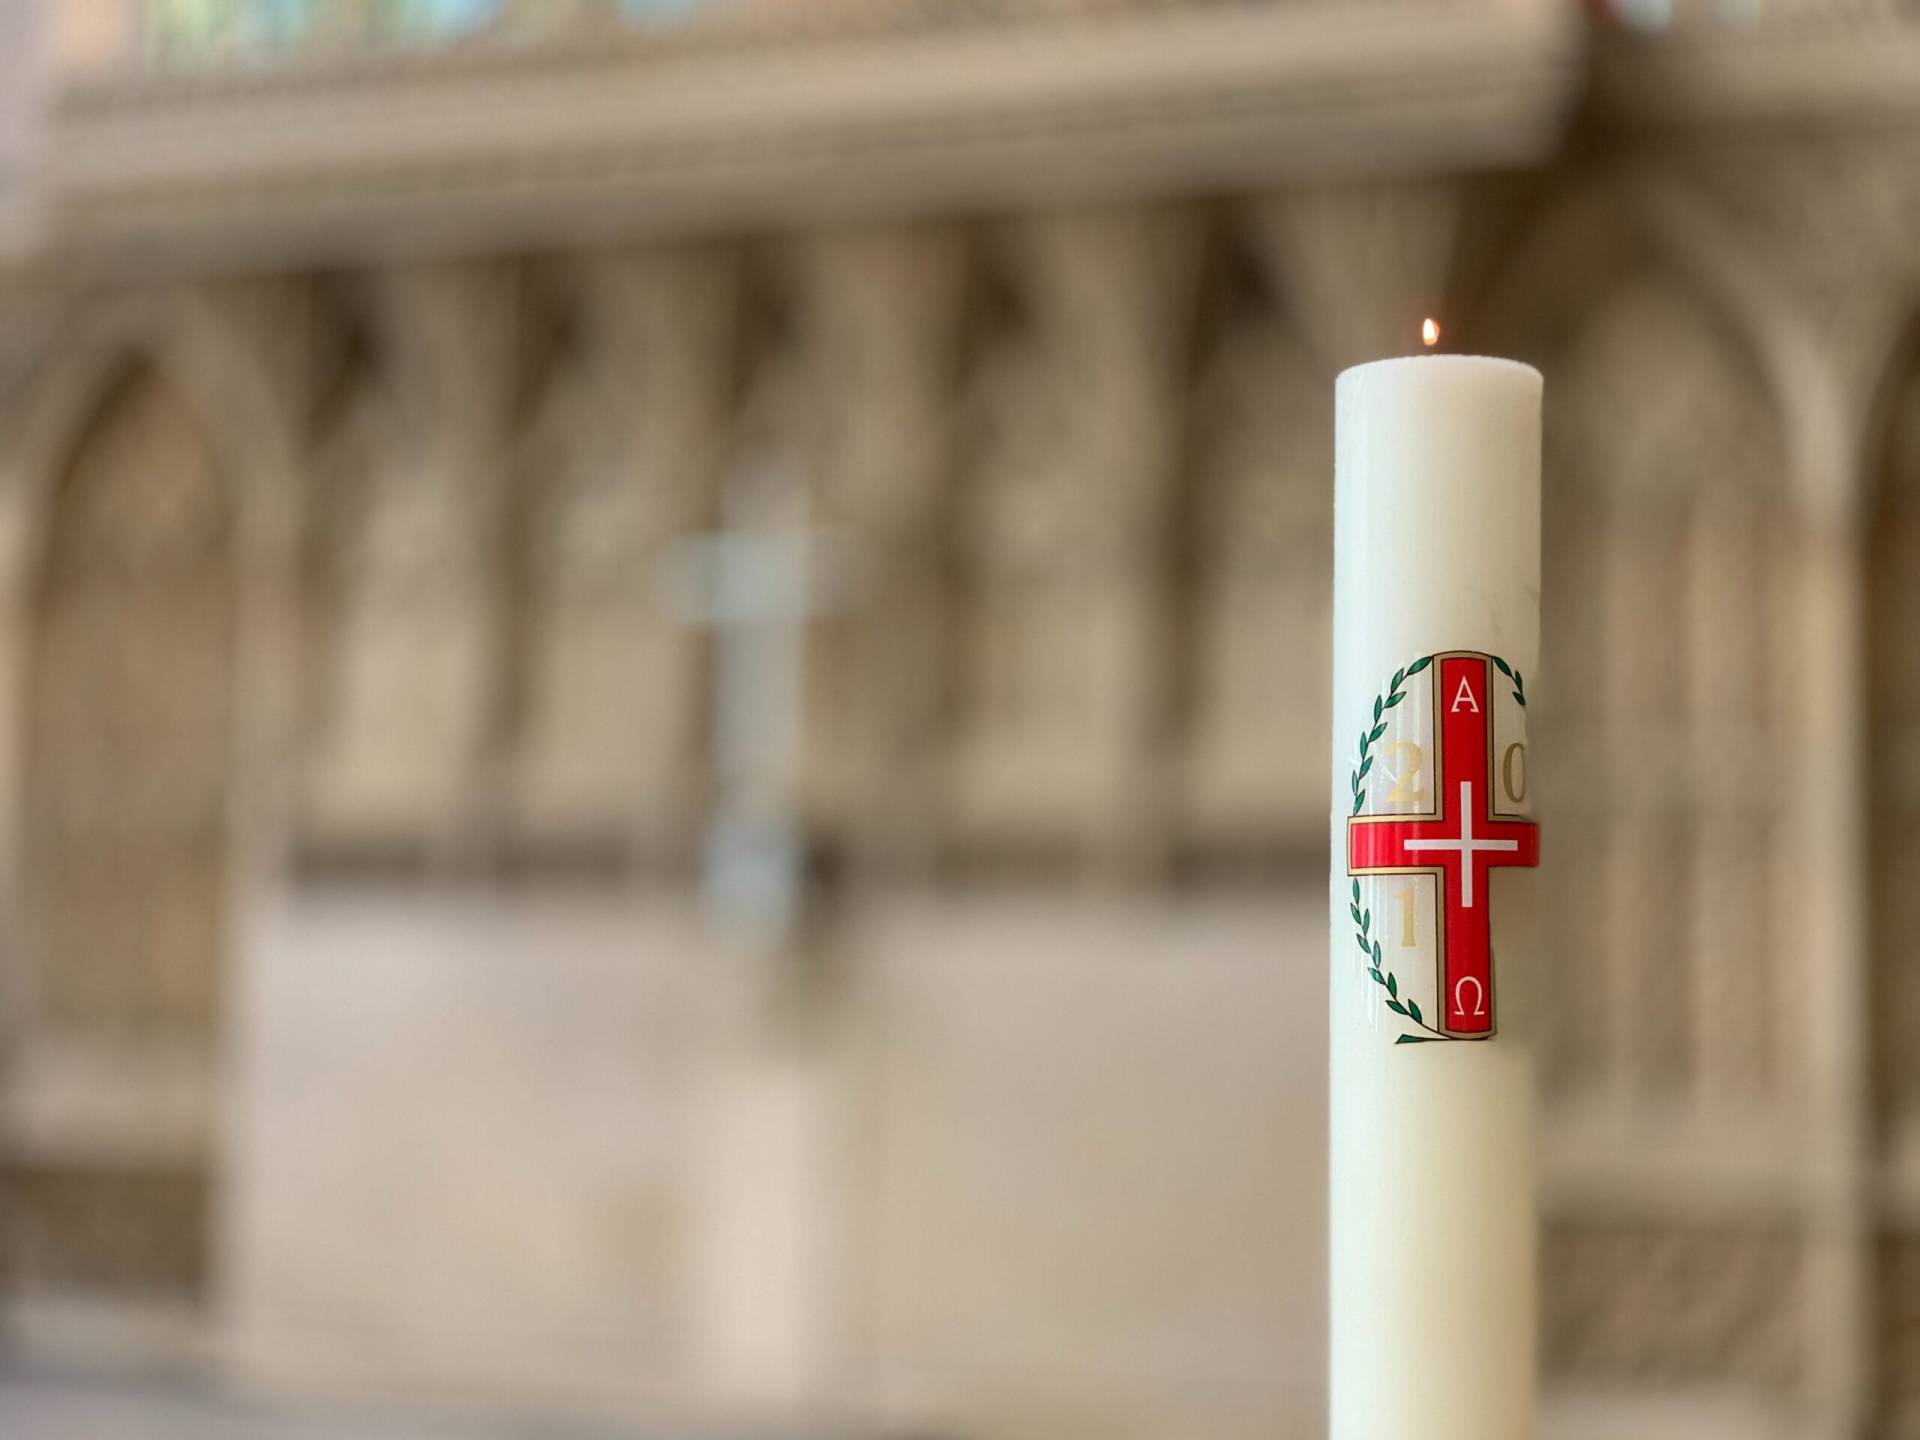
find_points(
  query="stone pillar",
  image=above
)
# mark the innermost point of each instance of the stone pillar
(887, 305)
(619, 463)
(1072, 445)
(1256, 657)
(411, 602)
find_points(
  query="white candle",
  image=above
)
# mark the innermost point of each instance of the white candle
(1436, 636)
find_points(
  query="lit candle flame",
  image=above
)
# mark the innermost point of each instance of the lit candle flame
(1429, 331)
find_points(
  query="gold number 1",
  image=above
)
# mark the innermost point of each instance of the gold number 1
(1407, 936)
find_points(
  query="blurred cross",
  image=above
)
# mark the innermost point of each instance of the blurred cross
(756, 582)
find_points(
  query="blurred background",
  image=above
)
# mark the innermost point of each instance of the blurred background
(664, 678)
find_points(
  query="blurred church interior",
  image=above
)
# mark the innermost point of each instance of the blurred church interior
(663, 678)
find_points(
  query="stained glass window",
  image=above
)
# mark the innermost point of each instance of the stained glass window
(207, 28)
(438, 19)
(278, 22)
(193, 30)
(659, 12)
(194, 26)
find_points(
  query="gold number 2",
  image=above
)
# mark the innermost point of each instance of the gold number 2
(1406, 790)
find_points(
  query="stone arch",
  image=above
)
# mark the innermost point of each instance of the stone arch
(215, 364)
(614, 462)
(887, 309)
(1067, 437)
(1673, 566)
(143, 507)
(1680, 716)
(129, 734)
(402, 606)
(1256, 559)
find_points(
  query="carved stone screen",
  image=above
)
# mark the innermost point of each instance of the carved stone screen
(126, 858)
(459, 326)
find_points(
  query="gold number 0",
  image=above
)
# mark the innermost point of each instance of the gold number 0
(1404, 791)
(1515, 752)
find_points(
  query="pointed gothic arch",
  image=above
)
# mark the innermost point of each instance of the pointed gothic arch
(402, 686)
(1068, 453)
(214, 357)
(1257, 561)
(130, 722)
(1670, 516)
(615, 458)
(143, 509)
(1682, 766)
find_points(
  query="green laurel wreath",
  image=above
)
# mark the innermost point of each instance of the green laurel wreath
(1382, 703)
(1519, 687)
(1405, 1007)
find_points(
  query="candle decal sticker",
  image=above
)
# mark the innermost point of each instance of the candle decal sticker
(1475, 820)
(1434, 844)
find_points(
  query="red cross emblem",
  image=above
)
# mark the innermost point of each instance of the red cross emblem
(1460, 842)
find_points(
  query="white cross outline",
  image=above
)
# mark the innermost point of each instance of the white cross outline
(1466, 844)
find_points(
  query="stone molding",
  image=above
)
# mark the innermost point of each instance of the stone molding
(375, 157)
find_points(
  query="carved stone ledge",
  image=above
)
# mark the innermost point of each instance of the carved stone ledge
(1844, 65)
(538, 149)
(81, 1101)
(328, 61)
(1600, 1161)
